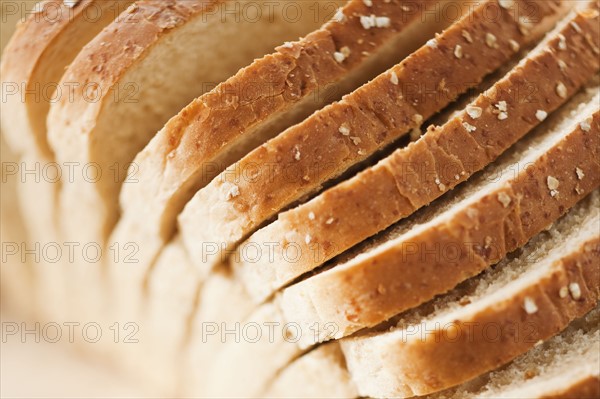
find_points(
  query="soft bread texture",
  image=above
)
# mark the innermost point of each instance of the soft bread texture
(413, 177)
(493, 214)
(255, 104)
(304, 377)
(305, 156)
(554, 280)
(34, 61)
(566, 366)
(130, 105)
(32, 65)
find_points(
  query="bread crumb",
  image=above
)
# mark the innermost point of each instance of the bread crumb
(394, 78)
(580, 174)
(441, 187)
(541, 115)
(514, 45)
(561, 90)
(233, 192)
(552, 182)
(468, 127)
(372, 21)
(525, 24)
(307, 239)
(339, 16)
(562, 42)
(474, 112)
(344, 130)
(339, 57)
(296, 153)
(501, 110)
(467, 36)
(491, 40)
(368, 3)
(287, 45)
(562, 65)
(381, 289)
(432, 43)
(502, 106)
(417, 118)
(586, 125)
(355, 140)
(311, 215)
(575, 291)
(504, 199)
(529, 305)
(563, 292)
(458, 51)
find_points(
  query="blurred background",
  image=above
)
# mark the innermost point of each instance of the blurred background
(30, 369)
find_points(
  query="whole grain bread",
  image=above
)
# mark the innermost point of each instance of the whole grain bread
(129, 104)
(498, 211)
(34, 61)
(554, 280)
(564, 367)
(305, 156)
(121, 104)
(414, 176)
(258, 102)
(32, 65)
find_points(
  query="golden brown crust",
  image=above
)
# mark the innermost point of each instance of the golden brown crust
(194, 146)
(379, 285)
(414, 176)
(306, 155)
(52, 27)
(443, 357)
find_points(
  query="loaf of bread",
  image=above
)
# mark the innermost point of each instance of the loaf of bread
(346, 198)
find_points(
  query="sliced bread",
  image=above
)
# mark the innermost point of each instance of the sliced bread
(252, 106)
(304, 157)
(496, 212)
(32, 65)
(414, 176)
(489, 320)
(566, 366)
(34, 61)
(120, 103)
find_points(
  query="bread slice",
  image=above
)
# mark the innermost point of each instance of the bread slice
(255, 104)
(34, 61)
(489, 320)
(130, 104)
(564, 367)
(32, 65)
(303, 378)
(461, 235)
(117, 102)
(414, 176)
(307, 155)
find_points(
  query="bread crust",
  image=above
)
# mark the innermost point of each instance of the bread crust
(444, 358)
(53, 27)
(413, 177)
(301, 159)
(375, 286)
